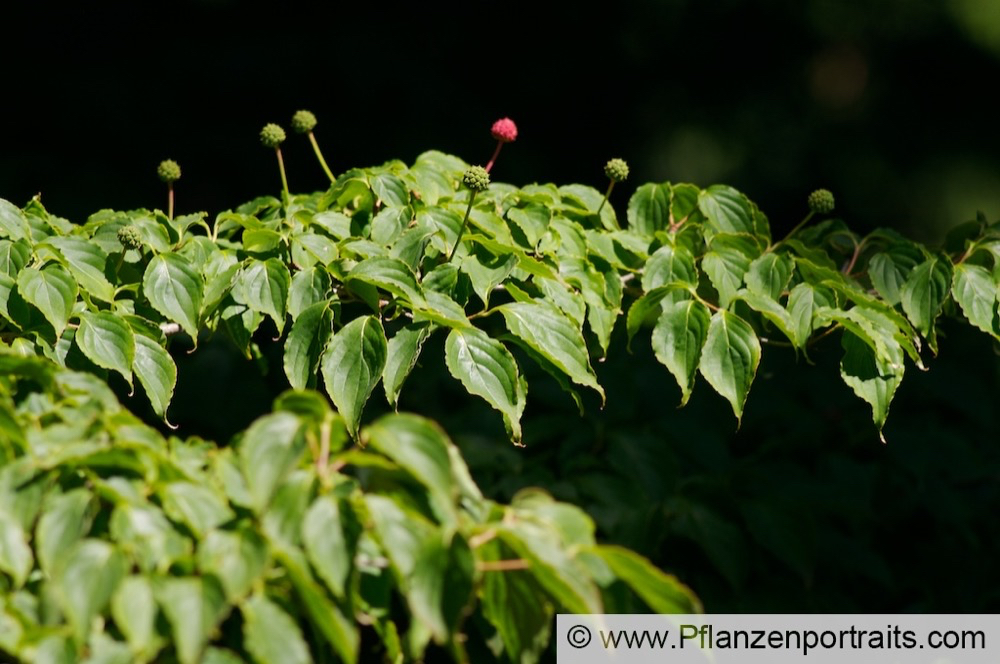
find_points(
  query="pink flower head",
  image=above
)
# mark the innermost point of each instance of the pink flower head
(504, 130)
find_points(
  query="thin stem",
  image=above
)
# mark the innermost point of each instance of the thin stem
(465, 222)
(284, 180)
(496, 153)
(319, 155)
(606, 195)
(858, 246)
(170, 201)
(502, 565)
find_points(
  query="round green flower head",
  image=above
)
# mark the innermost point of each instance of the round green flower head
(303, 122)
(616, 170)
(169, 171)
(821, 201)
(272, 135)
(129, 237)
(476, 178)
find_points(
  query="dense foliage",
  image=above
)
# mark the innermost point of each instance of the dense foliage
(301, 537)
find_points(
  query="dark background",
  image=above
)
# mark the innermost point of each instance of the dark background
(888, 104)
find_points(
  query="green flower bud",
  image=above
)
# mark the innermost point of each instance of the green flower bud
(821, 201)
(476, 178)
(616, 170)
(130, 237)
(169, 171)
(303, 122)
(272, 135)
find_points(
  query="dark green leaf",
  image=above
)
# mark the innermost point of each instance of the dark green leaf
(265, 286)
(726, 209)
(268, 452)
(305, 343)
(871, 378)
(669, 264)
(51, 289)
(551, 334)
(730, 357)
(487, 369)
(768, 275)
(175, 290)
(401, 356)
(352, 365)
(975, 291)
(86, 262)
(663, 593)
(156, 372)
(678, 338)
(107, 341)
(649, 208)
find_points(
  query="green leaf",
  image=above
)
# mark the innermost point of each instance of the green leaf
(774, 312)
(669, 264)
(270, 634)
(149, 537)
(401, 356)
(730, 357)
(486, 271)
(13, 223)
(975, 291)
(389, 274)
(924, 293)
(265, 286)
(389, 224)
(803, 303)
(13, 257)
(352, 365)
(768, 275)
(175, 290)
(651, 304)
(133, 608)
(516, 605)
(86, 262)
(441, 584)
(326, 545)
(237, 558)
(550, 563)
(888, 270)
(727, 262)
(678, 338)
(552, 335)
(156, 372)
(487, 369)
(390, 189)
(86, 581)
(726, 209)
(15, 554)
(649, 208)
(107, 341)
(419, 447)
(268, 452)
(51, 289)
(63, 523)
(340, 631)
(194, 607)
(532, 220)
(306, 340)
(197, 506)
(663, 593)
(871, 378)
(308, 287)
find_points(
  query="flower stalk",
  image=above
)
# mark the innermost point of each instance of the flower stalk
(504, 131)
(169, 172)
(272, 136)
(477, 179)
(617, 171)
(303, 122)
